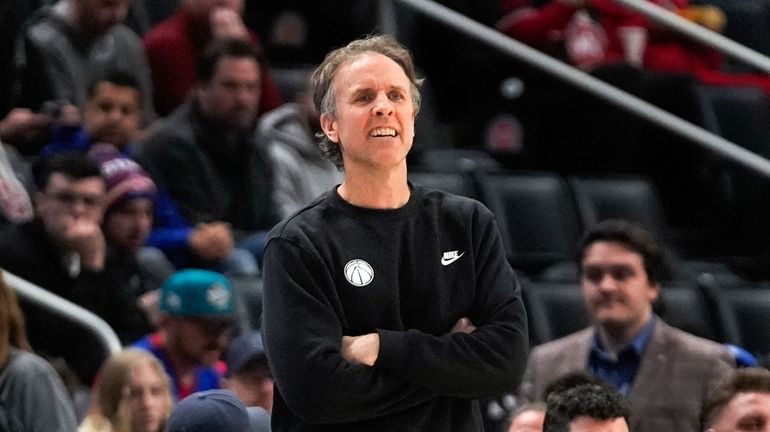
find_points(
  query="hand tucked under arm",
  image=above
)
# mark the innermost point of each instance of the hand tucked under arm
(366, 348)
(361, 349)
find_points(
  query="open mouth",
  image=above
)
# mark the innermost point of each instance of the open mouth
(383, 132)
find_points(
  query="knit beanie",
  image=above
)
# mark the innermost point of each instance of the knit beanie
(124, 177)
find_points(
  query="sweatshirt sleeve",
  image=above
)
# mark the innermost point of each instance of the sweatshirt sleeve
(490, 360)
(303, 332)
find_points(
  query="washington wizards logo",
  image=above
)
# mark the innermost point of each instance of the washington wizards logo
(359, 273)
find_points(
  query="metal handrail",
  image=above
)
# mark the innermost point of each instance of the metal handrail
(698, 33)
(598, 88)
(41, 297)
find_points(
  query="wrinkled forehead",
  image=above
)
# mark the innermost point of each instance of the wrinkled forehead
(368, 69)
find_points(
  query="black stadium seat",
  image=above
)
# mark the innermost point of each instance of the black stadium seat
(633, 198)
(553, 310)
(536, 215)
(687, 307)
(456, 183)
(751, 309)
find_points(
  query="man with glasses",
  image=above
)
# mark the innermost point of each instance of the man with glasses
(196, 314)
(665, 373)
(63, 251)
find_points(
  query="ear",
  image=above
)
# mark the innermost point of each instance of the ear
(329, 126)
(654, 292)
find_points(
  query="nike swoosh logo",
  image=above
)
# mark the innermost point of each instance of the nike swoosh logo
(447, 261)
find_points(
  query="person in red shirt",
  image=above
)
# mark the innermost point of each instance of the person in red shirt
(174, 45)
(560, 28)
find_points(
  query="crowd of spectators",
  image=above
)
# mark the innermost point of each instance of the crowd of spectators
(143, 161)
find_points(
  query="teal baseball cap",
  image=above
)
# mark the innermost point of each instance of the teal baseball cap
(196, 292)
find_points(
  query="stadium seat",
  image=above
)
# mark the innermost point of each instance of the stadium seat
(633, 198)
(537, 218)
(456, 183)
(688, 307)
(553, 310)
(751, 309)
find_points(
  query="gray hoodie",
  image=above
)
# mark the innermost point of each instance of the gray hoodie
(301, 173)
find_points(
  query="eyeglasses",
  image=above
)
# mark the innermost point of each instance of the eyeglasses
(69, 199)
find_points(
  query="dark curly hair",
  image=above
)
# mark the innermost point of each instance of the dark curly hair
(586, 400)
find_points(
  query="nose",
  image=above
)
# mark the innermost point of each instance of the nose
(115, 114)
(383, 106)
(607, 282)
(78, 207)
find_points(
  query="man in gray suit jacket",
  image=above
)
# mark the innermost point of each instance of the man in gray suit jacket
(665, 373)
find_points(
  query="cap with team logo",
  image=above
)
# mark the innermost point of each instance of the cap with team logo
(194, 292)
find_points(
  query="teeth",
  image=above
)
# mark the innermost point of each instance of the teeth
(383, 132)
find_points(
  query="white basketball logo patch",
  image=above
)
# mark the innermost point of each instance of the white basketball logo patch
(358, 272)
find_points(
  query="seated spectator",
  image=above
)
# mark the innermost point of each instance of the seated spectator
(132, 395)
(63, 250)
(207, 153)
(65, 44)
(207, 411)
(32, 395)
(591, 33)
(128, 215)
(301, 173)
(527, 418)
(112, 114)
(197, 308)
(586, 408)
(664, 372)
(174, 47)
(248, 374)
(740, 404)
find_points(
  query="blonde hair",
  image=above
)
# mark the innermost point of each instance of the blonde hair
(13, 333)
(108, 410)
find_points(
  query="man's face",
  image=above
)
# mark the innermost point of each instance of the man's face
(590, 424)
(113, 114)
(127, 227)
(65, 202)
(232, 95)
(746, 412)
(98, 16)
(197, 339)
(374, 119)
(618, 294)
